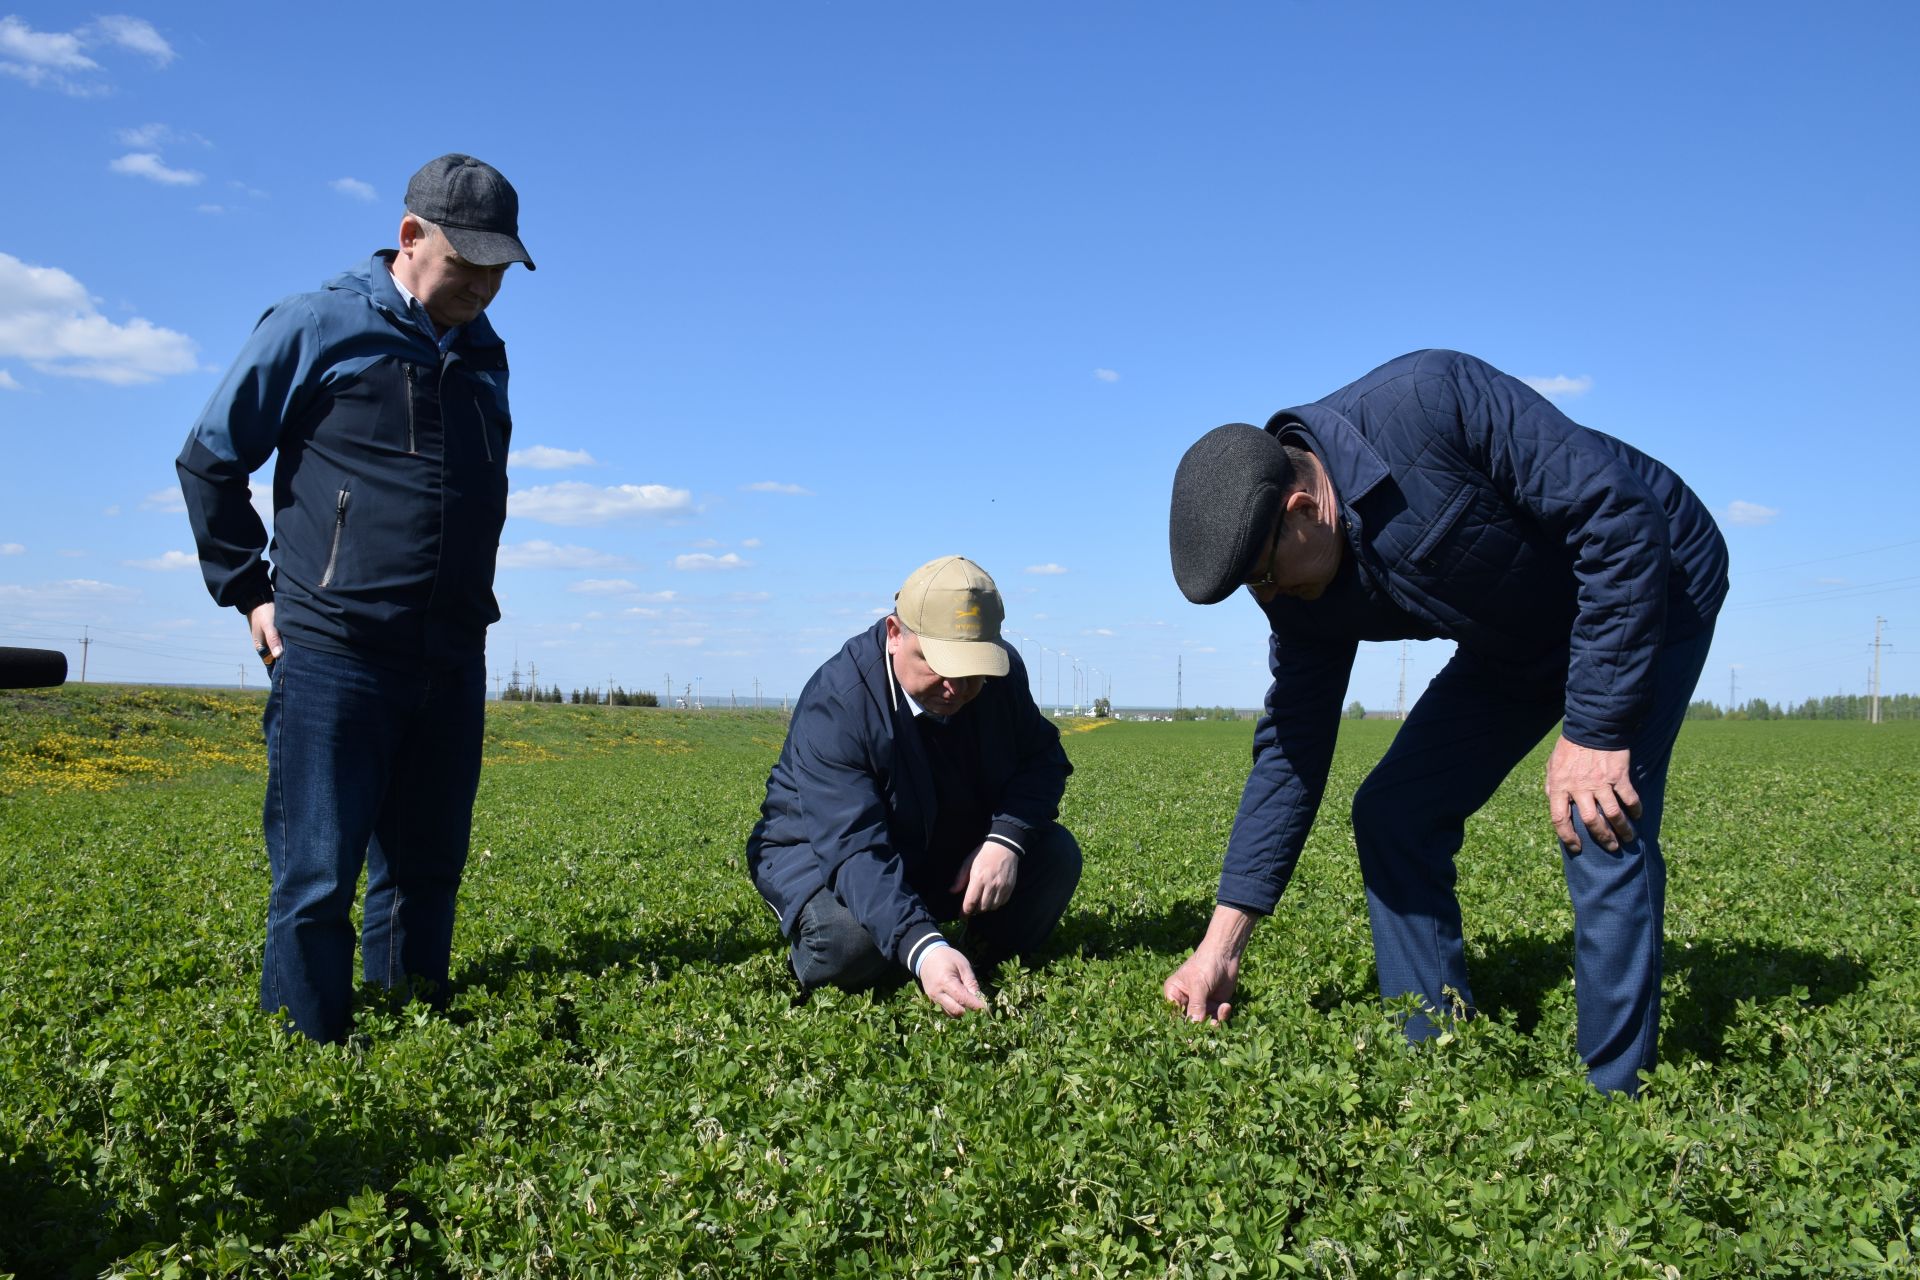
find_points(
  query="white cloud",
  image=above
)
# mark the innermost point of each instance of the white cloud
(11, 549)
(168, 499)
(1106, 375)
(59, 51)
(357, 189)
(209, 208)
(148, 164)
(151, 137)
(685, 642)
(1049, 570)
(542, 457)
(750, 542)
(7, 382)
(573, 503)
(1750, 513)
(775, 486)
(603, 587)
(1560, 386)
(548, 555)
(136, 34)
(48, 320)
(700, 561)
(1097, 631)
(165, 562)
(62, 595)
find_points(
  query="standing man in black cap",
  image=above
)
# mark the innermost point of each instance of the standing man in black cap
(384, 396)
(919, 783)
(1438, 497)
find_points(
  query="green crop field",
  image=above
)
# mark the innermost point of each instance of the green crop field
(624, 1085)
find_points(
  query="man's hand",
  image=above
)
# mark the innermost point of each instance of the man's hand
(266, 637)
(986, 878)
(1203, 987)
(948, 981)
(1597, 787)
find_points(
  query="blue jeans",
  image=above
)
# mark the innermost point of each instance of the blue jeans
(1461, 740)
(364, 764)
(830, 946)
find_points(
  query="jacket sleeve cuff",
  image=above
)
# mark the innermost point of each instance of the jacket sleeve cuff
(1011, 834)
(1247, 893)
(253, 600)
(915, 946)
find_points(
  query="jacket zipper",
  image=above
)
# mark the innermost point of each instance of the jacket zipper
(339, 527)
(411, 446)
(484, 442)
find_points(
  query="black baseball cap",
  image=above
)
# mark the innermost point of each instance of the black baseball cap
(474, 205)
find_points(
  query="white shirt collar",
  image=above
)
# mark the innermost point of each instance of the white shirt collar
(419, 309)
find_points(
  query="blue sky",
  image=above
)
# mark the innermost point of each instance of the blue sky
(829, 289)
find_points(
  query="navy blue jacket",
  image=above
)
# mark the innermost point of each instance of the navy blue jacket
(1475, 511)
(851, 803)
(390, 485)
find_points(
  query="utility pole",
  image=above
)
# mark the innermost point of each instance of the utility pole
(84, 642)
(1400, 704)
(243, 677)
(609, 688)
(1873, 714)
(1733, 684)
(1178, 681)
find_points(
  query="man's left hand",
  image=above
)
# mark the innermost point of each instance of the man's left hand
(1596, 787)
(986, 878)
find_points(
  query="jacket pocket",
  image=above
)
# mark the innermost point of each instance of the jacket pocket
(1442, 525)
(339, 530)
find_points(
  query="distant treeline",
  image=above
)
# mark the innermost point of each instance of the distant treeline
(1839, 706)
(591, 697)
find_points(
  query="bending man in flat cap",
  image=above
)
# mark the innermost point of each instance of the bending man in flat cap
(919, 784)
(1438, 497)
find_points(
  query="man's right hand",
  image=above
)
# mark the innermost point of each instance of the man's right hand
(948, 981)
(266, 637)
(1203, 987)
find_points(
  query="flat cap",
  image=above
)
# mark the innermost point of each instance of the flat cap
(1227, 493)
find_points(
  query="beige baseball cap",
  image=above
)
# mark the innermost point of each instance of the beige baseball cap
(955, 609)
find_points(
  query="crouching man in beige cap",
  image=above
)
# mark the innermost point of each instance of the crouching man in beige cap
(919, 784)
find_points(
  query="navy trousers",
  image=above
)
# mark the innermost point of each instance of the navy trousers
(830, 946)
(365, 765)
(1460, 741)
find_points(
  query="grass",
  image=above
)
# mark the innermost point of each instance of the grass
(625, 1086)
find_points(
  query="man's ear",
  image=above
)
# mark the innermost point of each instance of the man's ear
(1302, 502)
(893, 632)
(411, 232)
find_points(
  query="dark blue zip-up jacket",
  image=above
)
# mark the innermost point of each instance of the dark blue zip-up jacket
(1477, 512)
(390, 485)
(851, 803)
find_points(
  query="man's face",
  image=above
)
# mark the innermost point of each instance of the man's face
(1302, 555)
(452, 289)
(933, 691)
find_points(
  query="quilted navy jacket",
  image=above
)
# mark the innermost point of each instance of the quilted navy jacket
(851, 803)
(1475, 511)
